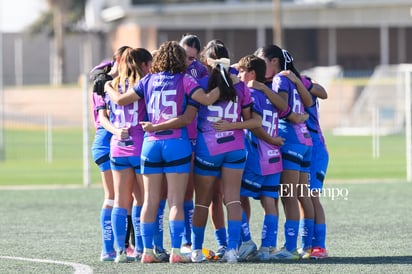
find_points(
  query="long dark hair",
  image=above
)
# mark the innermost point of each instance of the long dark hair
(190, 40)
(285, 58)
(219, 76)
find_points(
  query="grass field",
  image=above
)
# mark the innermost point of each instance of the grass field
(368, 232)
(55, 228)
(26, 162)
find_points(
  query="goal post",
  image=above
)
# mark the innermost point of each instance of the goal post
(86, 132)
(408, 120)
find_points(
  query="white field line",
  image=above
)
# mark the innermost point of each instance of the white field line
(79, 268)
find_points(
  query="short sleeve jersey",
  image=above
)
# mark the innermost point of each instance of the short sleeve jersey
(127, 116)
(293, 133)
(312, 123)
(166, 96)
(98, 103)
(224, 141)
(263, 157)
(198, 71)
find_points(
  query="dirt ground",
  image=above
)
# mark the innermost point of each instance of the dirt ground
(31, 106)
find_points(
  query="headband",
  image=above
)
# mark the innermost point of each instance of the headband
(223, 63)
(288, 58)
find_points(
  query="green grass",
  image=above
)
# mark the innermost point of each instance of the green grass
(369, 232)
(25, 164)
(351, 157)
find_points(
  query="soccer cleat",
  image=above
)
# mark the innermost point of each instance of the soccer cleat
(230, 256)
(149, 257)
(162, 254)
(247, 248)
(319, 253)
(272, 252)
(137, 256)
(177, 257)
(284, 254)
(186, 249)
(121, 257)
(304, 253)
(261, 255)
(129, 251)
(108, 257)
(220, 252)
(197, 256)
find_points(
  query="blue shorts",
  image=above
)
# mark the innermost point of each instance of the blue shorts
(296, 157)
(255, 185)
(208, 165)
(101, 149)
(120, 163)
(318, 167)
(166, 156)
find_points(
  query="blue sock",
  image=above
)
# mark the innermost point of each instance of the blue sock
(233, 229)
(147, 230)
(136, 210)
(275, 238)
(307, 233)
(245, 231)
(221, 237)
(291, 234)
(158, 233)
(176, 231)
(188, 210)
(268, 230)
(319, 236)
(198, 235)
(107, 231)
(119, 223)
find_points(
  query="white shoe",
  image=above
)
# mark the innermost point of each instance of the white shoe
(197, 256)
(246, 249)
(230, 256)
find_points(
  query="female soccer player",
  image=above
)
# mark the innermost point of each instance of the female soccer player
(101, 148)
(313, 240)
(166, 92)
(125, 151)
(318, 168)
(296, 152)
(220, 149)
(264, 162)
(191, 44)
(101, 156)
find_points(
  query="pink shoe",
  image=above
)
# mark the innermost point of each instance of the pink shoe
(148, 258)
(319, 253)
(177, 257)
(129, 251)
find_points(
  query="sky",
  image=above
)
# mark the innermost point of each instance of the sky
(15, 15)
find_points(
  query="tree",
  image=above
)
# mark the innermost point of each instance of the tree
(62, 17)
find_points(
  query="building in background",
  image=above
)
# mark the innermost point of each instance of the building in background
(357, 35)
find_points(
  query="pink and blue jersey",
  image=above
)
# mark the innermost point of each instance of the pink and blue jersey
(127, 116)
(198, 71)
(312, 123)
(166, 96)
(293, 133)
(264, 158)
(98, 103)
(219, 142)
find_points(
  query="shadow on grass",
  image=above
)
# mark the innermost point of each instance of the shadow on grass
(401, 260)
